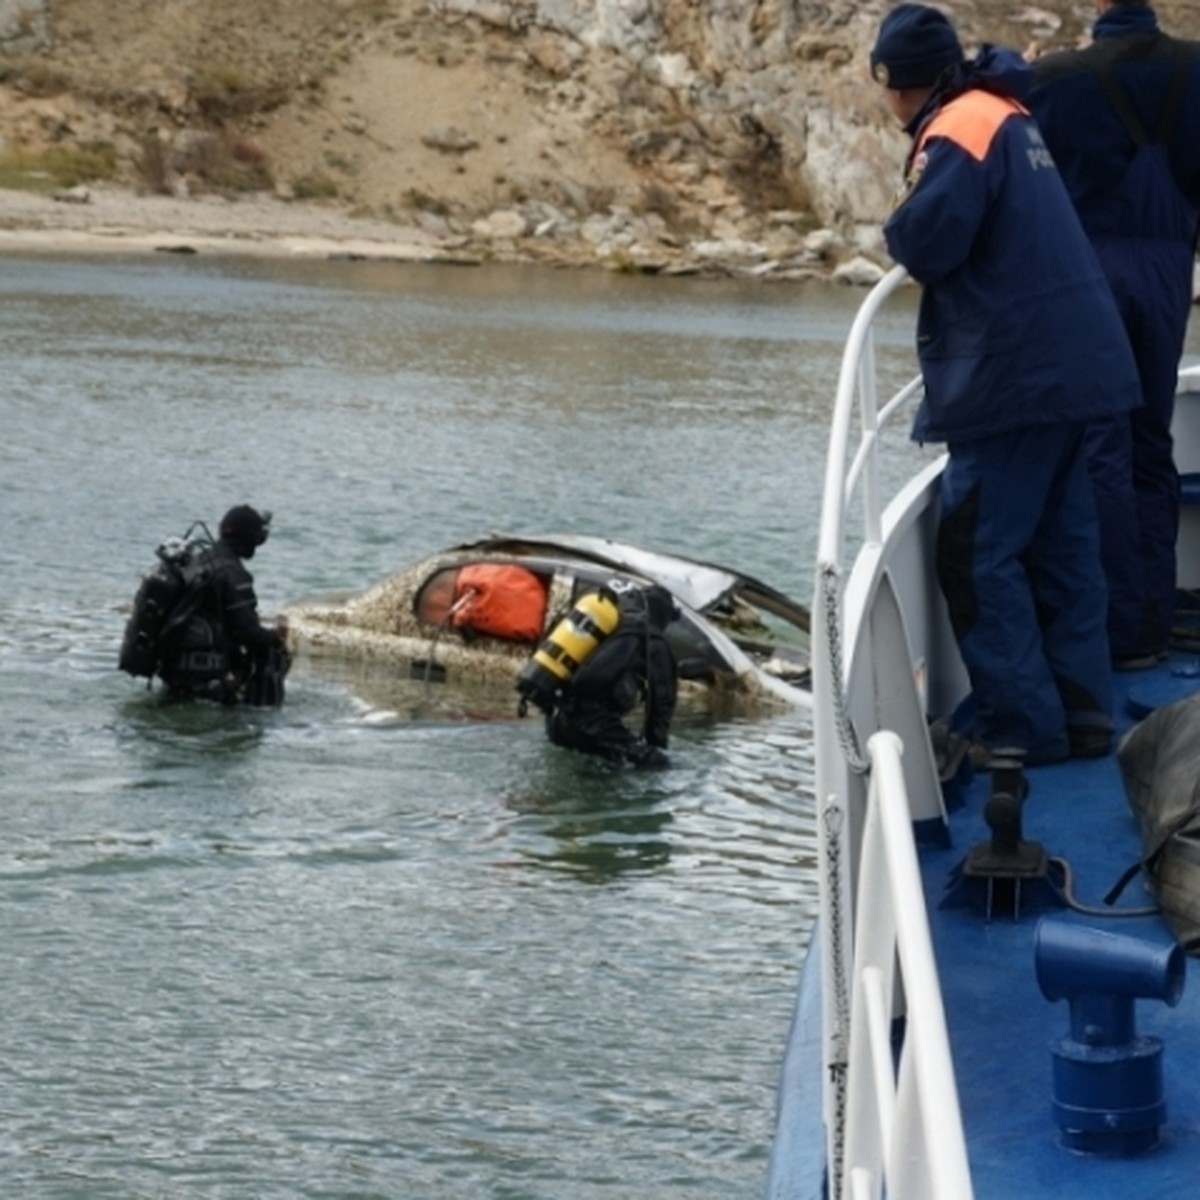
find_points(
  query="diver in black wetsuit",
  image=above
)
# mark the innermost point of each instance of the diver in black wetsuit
(219, 648)
(635, 661)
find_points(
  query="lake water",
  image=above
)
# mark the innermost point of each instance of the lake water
(362, 949)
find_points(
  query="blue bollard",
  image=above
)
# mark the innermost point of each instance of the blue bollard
(1108, 1089)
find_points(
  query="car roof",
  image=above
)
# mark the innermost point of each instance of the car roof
(697, 584)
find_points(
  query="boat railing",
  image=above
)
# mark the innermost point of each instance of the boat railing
(857, 393)
(893, 1121)
(904, 1132)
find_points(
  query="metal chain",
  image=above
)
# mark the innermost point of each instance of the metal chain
(833, 818)
(847, 737)
(840, 1049)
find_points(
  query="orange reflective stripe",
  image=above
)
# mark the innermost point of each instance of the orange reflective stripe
(972, 121)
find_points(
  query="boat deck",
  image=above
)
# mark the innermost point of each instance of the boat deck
(1001, 1027)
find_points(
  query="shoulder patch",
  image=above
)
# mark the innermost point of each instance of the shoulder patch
(916, 168)
(972, 120)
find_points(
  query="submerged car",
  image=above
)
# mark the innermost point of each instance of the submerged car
(477, 611)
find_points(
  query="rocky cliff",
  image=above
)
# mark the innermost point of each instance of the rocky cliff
(647, 134)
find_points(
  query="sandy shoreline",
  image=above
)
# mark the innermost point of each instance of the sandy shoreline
(111, 220)
(116, 221)
(108, 220)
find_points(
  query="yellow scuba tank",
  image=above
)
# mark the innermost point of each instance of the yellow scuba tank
(566, 647)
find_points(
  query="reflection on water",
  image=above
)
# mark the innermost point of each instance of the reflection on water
(592, 821)
(387, 940)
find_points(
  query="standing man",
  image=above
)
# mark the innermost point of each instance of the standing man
(1122, 120)
(1020, 345)
(219, 650)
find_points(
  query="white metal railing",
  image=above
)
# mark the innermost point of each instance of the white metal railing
(904, 1134)
(881, 1113)
(857, 393)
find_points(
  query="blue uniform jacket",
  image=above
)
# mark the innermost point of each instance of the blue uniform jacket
(1160, 76)
(1017, 326)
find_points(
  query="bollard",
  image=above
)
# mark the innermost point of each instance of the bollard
(1108, 1090)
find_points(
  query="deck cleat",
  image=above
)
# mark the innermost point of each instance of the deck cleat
(1007, 860)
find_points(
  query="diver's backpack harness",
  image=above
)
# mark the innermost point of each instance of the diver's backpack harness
(166, 598)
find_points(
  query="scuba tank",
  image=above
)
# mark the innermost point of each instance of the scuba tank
(566, 647)
(156, 606)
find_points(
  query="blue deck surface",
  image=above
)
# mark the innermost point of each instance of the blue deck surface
(1001, 1027)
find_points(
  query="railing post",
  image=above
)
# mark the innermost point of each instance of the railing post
(927, 1104)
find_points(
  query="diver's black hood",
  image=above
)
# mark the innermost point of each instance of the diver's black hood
(652, 607)
(245, 529)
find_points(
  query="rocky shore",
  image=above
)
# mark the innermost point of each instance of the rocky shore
(114, 219)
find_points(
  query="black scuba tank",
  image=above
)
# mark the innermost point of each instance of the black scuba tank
(157, 598)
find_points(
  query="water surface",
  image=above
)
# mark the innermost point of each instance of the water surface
(356, 948)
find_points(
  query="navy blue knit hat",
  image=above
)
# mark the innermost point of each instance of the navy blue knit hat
(916, 44)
